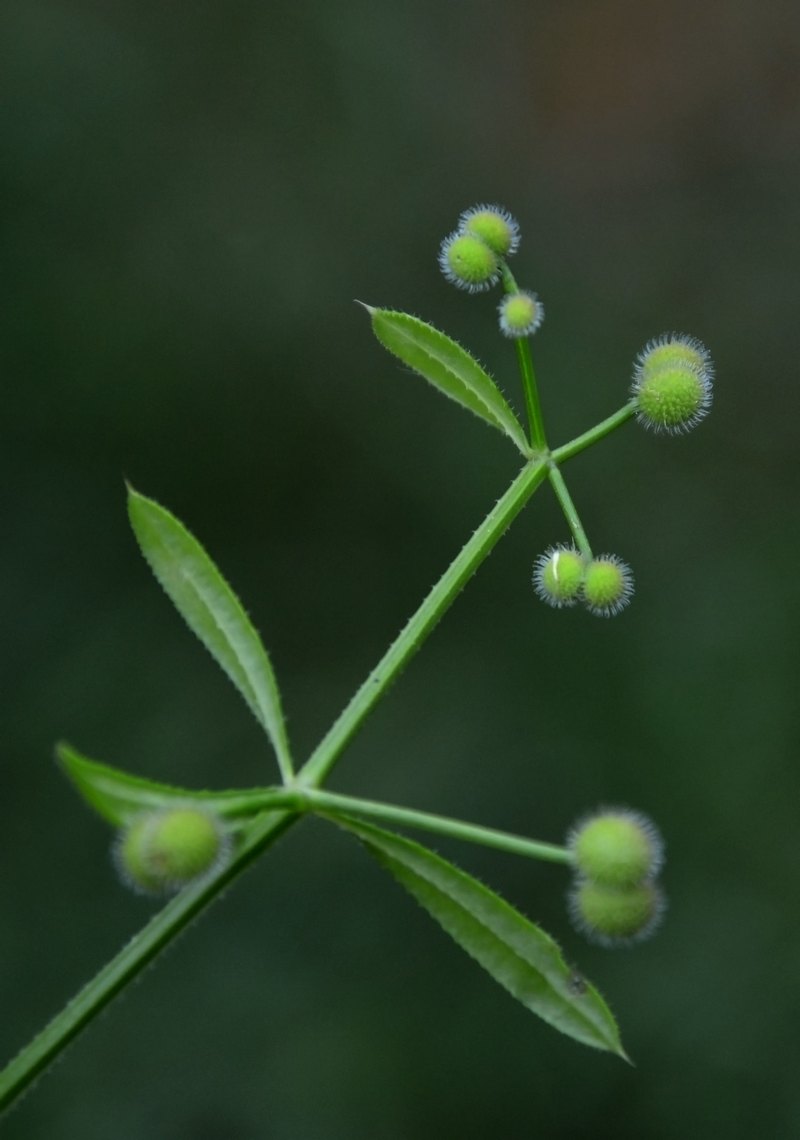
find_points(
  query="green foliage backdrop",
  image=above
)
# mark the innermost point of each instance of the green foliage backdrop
(192, 198)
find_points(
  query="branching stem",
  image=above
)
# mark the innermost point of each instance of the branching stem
(304, 792)
(20, 1073)
(329, 803)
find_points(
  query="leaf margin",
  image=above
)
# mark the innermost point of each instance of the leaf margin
(254, 678)
(118, 796)
(390, 849)
(468, 384)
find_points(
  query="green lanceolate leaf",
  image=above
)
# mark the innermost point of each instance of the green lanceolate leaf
(212, 611)
(119, 797)
(447, 366)
(517, 954)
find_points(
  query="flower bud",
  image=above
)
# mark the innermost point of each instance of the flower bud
(616, 847)
(468, 263)
(558, 576)
(615, 916)
(165, 849)
(607, 585)
(521, 314)
(494, 226)
(672, 382)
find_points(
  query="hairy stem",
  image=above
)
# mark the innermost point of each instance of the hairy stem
(411, 637)
(20, 1073)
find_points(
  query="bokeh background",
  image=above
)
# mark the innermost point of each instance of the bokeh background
(192, 197)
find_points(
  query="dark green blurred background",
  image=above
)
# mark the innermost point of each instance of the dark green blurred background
(192, 197)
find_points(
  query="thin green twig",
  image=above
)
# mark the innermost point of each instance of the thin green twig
(569, 509)
(330, 803)
(530, 388)
(595, 434)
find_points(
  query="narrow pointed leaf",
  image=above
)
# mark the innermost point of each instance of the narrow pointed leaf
(212, 611)
(119, 796)
(517, 954)
(447, 366)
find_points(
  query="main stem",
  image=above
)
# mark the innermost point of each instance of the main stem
(267, 828)
(20, 1072)
(411, 637)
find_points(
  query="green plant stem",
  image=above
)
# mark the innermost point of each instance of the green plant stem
(595, 434)
(411, 637)
(331, 804)
(266, 829)
(530, 388)
(532, 405)
(568, 507)
(20, 1073)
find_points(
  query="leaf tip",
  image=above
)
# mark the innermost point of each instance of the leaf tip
(621, 1053)
(68, 760)
(364, 305)
(61, 752)
(138, 505)
(134, 496)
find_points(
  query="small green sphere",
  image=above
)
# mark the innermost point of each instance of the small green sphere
(521, 314)
(468, 263)
(494, 226)
(616, 848)
(672, 398)
(672, 383)
(558, 576)
(616, 916)
(607, 585)
(165, 849)
(673, 349)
